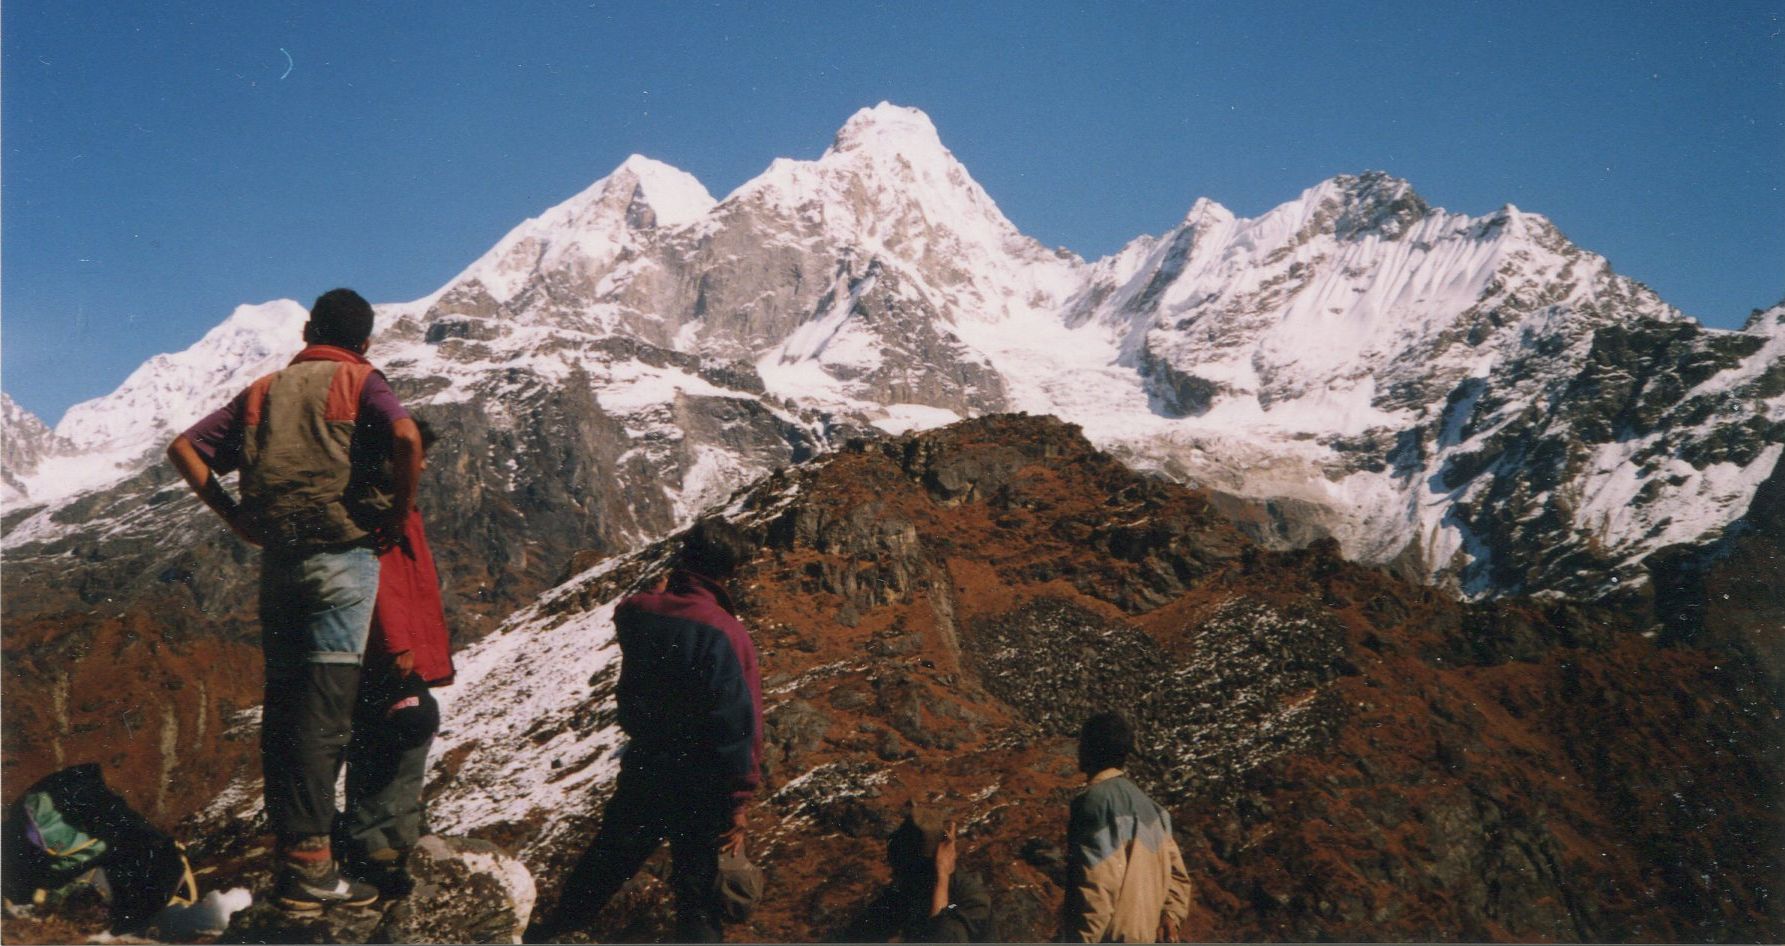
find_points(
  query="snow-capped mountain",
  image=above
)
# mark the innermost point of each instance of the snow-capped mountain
(27, 441)
(1473, 399)
(1474, 396)
(104, 440)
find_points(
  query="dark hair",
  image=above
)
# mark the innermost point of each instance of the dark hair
(339, 317)
(1104, 743)
(911, 848)
(714, 548)
(905, 854)
(428, 436)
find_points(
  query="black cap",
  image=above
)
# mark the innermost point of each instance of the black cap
(413, 716)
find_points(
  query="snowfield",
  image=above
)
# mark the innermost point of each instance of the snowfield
(1394, 368)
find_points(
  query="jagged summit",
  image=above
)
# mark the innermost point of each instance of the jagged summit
(1206, 212)
(661, 195)
(640, 193)
(886, 170)
(1355, 205)
(1766, 321)
(1353, 350)
(587, 233)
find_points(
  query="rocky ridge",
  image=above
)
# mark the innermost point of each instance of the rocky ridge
(27, 442)
(1473, 398)
(1489, 408)
(1346, 755)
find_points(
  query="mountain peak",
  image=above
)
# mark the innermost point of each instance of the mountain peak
(889, 128)
(655, 194)
(1371, 203)
(1206, 211)
(1767, 321)
(18, 421)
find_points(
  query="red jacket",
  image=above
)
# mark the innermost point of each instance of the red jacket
(408, 614)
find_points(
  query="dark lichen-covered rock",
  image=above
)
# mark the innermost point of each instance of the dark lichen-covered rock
(791, 730)
(265, 922)
(466, 891)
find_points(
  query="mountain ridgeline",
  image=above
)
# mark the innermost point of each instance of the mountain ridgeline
(1347, 755)
(1400, 530)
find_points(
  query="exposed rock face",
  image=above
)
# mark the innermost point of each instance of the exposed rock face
(1476, 399)
(26, 442)
(1731, 595)
(1346, 755)
(1472, 400)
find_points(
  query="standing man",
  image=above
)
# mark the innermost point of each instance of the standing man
(1126, 881)
(329, 462)
(691, 705)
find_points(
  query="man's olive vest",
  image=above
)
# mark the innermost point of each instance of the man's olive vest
(306, 483)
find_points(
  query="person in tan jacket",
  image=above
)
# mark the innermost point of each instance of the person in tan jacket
(1126, 881)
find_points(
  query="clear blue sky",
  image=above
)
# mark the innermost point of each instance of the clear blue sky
(164, 162)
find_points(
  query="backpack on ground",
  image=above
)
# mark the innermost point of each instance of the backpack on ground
(70, 823)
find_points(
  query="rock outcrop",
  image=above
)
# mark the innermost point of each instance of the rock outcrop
(466, 891)
(1473, 401)
(1346, 755)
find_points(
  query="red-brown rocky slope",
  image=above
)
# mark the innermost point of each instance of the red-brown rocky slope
(1348, 756)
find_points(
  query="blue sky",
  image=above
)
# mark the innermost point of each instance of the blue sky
(165, 162)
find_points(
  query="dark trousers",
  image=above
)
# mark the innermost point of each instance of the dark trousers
(384, 776)
(305, 728)
(645, 811)
(315, 615)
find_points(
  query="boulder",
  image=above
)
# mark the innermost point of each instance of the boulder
(466, 891)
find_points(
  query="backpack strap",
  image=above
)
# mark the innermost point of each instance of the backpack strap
(344, 391)
(186, 894)
(257, 399)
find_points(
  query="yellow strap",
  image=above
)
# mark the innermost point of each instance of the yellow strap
(73, 850)
(190, 885)
(188, 882)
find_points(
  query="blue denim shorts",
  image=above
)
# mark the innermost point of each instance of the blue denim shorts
(316, 606)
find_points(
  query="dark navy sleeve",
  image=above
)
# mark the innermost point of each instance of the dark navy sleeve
(631, 692)
(731, 719)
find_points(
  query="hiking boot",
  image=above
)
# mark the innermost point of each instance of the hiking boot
(311, 890)
(387, 869)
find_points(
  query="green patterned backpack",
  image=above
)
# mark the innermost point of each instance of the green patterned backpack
(71, 822)
(67, 850)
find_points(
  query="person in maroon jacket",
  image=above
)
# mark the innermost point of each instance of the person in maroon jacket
(395, 718)
(690, 702)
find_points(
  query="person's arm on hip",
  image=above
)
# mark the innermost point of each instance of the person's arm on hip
(203, 480)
